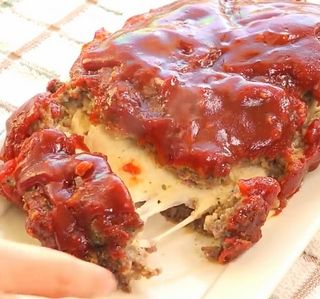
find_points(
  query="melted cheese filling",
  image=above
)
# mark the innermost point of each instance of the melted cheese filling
(150, 183)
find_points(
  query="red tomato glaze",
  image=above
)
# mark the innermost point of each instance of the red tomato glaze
(23, 122)
(204, 88)
(243, 227)
(131, 168)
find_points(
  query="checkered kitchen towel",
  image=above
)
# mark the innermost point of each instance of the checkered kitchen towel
(39, 40)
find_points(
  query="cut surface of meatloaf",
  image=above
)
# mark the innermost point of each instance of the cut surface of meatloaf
(213, 111)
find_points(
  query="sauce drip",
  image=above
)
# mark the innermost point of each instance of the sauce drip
(131, 168)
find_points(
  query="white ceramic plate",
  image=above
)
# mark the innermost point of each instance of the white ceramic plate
(188, 275)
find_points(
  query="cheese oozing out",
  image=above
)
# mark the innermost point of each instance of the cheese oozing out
(149, 183)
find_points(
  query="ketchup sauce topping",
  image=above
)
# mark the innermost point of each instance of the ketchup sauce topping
(243, 227)
(74, 201)
(23, 122)
(204, 86)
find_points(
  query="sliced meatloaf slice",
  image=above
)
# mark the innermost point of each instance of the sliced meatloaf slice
(75, 203)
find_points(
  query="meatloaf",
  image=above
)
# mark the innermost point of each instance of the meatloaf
(206, 92)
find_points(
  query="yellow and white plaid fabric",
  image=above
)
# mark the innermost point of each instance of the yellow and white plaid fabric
(40, 39)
